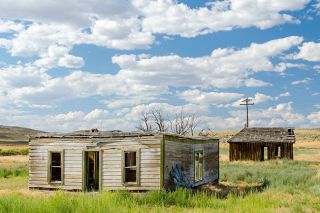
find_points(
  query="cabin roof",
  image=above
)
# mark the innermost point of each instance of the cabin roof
(94, 133)
(264, 135)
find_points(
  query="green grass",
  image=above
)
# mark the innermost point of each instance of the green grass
(287, 176)
(292, 186)
(303, 150)
(14, 172)
(14, 152)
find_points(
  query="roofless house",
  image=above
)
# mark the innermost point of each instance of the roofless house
(261, 144)
(113, 160)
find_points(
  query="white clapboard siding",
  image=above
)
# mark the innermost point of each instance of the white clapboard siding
(38, 159)
(111, 149)
(149, 164)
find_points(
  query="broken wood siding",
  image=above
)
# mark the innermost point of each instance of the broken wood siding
(182, 153)
(253, 151)
(72, 165)
(177, 153)
(149, 172)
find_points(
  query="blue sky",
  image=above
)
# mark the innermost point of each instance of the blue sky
(78, 65)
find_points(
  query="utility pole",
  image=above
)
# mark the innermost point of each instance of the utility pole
(247, 102)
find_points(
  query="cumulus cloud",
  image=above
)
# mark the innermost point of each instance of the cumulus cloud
(257, 99)
(130, 24)
(142, 76)
(167, 16)
(10, 26)
(214, 98)
(309, 51)
(281, 115)
(314, 118)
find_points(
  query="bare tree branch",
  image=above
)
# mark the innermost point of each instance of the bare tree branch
(159, 120)
(145, 123)
(155, 120)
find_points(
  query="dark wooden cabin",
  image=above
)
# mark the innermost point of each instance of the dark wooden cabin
(261, 144)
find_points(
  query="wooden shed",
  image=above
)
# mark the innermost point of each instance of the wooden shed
(114, 160)
(261, 144)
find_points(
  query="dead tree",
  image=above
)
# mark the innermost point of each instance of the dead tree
(155, 120)
(194, 122)
(159, 120)
(184, 123)
(145, 124)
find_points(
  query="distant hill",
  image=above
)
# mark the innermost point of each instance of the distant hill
(16, 134)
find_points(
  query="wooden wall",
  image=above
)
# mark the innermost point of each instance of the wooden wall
(183, 154)
(38, 164)
(111, 150)
(149, 163)
(252, 151)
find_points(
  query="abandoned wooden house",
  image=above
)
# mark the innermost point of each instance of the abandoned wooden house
(261, 144)
(114, 160)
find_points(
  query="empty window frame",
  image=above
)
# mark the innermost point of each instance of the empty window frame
(55, 164)
(290, 132)
(198, 166)
(130, 170)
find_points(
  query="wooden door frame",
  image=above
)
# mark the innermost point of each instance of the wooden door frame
(84, 168)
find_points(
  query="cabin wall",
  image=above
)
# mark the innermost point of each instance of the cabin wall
(149, 163)
(183, 154)
(177, 153)
(253, 151)
(38, 165)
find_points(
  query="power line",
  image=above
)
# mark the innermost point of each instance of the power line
(246, 103)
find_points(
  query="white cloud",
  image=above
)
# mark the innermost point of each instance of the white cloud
(251, 82)
(129, 24)
(314, 118)
(309, 51)
(317, 68)
(214, 98)
(71, 61)
(261, 98)
(281, 67)
(10, 26)
(172, 18)
(257, 99)
(95, 114)
(304, 81)
(281, 115)
(69, 116)
(144, 77)
(286, 94)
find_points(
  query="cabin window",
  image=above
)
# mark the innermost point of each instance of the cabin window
(198, 166)
(55, 166)
(290, 132)
(130, 167)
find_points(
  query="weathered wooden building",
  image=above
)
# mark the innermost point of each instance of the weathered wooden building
(261, 144)
(113, 160)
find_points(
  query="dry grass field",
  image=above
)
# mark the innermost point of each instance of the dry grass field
(288, 186)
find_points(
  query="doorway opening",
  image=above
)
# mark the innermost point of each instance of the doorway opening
(264, 153)
(91, 168)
